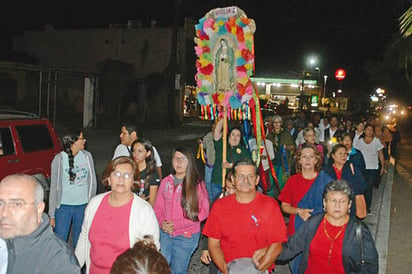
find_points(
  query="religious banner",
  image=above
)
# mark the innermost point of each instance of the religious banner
(225, 51)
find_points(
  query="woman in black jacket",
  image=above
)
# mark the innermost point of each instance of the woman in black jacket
(342, 168)
(333, 242)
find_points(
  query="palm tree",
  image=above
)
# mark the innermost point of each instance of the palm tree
(406, 23)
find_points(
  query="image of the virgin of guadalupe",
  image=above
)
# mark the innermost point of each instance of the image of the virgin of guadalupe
(224, 63)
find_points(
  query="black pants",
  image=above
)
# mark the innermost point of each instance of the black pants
(371, 176)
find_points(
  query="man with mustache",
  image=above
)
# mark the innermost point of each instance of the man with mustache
(31, 244)
(245, 230)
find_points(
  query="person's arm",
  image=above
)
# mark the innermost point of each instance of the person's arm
(152, 194)
(264, 258)
(92, 176)
(54, 177)
(304, 213)
(217, 255)
(218, 132)
(369, 250)
(382, 161)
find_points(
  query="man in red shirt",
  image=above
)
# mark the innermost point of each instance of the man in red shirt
(246, 224)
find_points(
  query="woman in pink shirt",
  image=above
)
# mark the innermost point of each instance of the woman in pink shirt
(115, 220)
(182, 203)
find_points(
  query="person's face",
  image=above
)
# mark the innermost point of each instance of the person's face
(348, 123)
(229, 187)
(377, 122)
(308, 159)
(121, 179)
(347, 142)
(234, 137)
(360, 127)
(140, 153)
(180, 163)
(245, 179)
(126, 138)
(340, 156)
(19, 215)
(277, 125)
(369, 132)
(333, 122)
(336, 204)
(310, 137)
(80, 143)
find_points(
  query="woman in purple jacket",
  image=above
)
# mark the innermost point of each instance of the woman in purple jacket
(182, 203)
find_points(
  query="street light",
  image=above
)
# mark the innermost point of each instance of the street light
(325, 78)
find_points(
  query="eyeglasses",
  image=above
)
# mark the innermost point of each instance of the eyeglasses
(125, 175)
(340, 202)
(241, 177)
(18, 204)
(180, 159)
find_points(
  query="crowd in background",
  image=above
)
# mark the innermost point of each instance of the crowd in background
(324, 166)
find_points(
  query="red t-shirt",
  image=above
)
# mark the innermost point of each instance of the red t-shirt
(337, 172)
(244, 228)
(294, 190)
(318, 260)
(108, 235)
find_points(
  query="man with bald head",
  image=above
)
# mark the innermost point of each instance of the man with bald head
(31, 244)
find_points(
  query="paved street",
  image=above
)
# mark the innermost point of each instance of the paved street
(103, 141)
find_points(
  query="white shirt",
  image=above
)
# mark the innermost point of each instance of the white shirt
(322, 128)
(370, 152)
(3, 256)
(269, 147)
(123, 150)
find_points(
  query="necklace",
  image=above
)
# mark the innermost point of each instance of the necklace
(330, 238)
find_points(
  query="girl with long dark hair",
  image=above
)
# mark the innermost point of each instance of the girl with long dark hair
(147, 181)
(73, 184)
(182, 203)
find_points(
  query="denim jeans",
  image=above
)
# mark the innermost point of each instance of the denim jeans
(208, 180)
(178, 250)
(67, 215)
(216, 190)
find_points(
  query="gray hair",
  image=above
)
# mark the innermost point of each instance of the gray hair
(244, 162)
(339, 186)
(38, 189)
(277, 118)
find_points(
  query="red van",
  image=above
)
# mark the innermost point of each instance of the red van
(28, 145)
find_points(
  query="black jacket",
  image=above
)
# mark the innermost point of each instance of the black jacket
(351, 250)
(40, 252)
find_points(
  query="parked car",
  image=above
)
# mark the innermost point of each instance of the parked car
(28, 145)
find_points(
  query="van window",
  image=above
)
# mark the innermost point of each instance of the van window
(6, 142)
(34, 138)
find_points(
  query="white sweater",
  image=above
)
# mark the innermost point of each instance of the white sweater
(142, 222)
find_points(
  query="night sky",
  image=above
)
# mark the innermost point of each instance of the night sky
(341, 33)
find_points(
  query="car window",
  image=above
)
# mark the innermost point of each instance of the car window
(6, 142)
(34, 138)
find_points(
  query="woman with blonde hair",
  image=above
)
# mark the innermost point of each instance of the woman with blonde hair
(302, 195)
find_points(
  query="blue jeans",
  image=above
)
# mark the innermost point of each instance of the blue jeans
(216, 190)
(178, 250)
(208, 180)
(67, 215)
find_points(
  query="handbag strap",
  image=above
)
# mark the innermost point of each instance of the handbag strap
(359, 238)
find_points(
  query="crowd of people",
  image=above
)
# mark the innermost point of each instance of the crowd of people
(298, 197)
